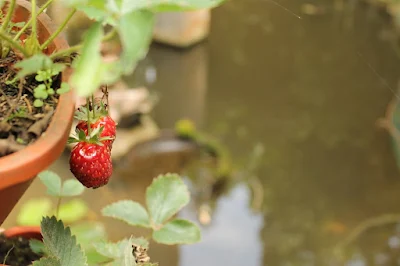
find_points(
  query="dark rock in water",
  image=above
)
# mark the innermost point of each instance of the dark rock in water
(18, 250)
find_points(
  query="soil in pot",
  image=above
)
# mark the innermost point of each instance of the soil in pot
(21, 123)
(15, 251)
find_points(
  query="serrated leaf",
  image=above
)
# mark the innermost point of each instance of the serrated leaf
(135, 30)
(165, 197)
(32, 65)
(73, 211)
(128, 211)
(60, 244)
(64, 88)
(52, 181)
(71, 188)
(37, 246)
(47, 261)
(89, 66)
(32, 211)
(176, 232)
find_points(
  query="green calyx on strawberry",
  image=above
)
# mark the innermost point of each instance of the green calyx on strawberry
(94, 137)
(98, 118)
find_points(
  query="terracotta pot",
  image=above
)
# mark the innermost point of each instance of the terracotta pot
(18, 170)
(29, 232)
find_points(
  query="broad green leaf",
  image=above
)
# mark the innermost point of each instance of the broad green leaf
(95, 258)
(73, 211)
(60, 244)
(64, 88)
(177, 232)
(32, 65)
(33, 210)
(37, 246)
(88, 233)
(128, 211)
(47, 261)
(72, 187)
(52, 181)
(165, 197)
(89, 67)
(135, 30)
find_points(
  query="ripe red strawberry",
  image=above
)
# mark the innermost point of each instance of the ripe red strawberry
(109, 128)
(91, 164)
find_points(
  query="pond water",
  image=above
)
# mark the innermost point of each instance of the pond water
(296, 102)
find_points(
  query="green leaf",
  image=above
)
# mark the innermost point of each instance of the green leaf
(128, 211)
(165, 197)
(89, 67)
(71, 188)
(41, 75)
(52, 181)
(60, 244)
(121, 251)
(33, 210)
(47, 261)
(32, 65)
(177, 232)
(64, 88)
(37, 246)
(40, 92)
(38, 103)
(57, 68)
(73, 211)
(135, 30)
(88, 233)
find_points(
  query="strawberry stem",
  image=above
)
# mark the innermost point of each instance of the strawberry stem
(94, 112)
(88, 116)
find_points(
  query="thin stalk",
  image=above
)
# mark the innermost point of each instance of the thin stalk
(13, 43)
(28, 23)
(77, 47)
(88, 115)
(9, 15)
(58, 206)
(94, 112)
(34, 21)
(58, 31)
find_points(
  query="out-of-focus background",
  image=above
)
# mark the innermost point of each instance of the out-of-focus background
(303, 96)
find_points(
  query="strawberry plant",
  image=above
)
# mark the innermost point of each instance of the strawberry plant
(81, 243)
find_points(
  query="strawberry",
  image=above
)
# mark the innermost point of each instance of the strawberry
(91, 164)
(109, 128)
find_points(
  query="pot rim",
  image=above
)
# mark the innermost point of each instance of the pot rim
(27, 163)
(23, 231)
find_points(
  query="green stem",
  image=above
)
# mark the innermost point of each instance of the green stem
(94, 112)
(10, 13)
(59, 30)
(34, 21)
(88, 116)
(28, 23)
(77, 47)
(13, 43)
(58, 206)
